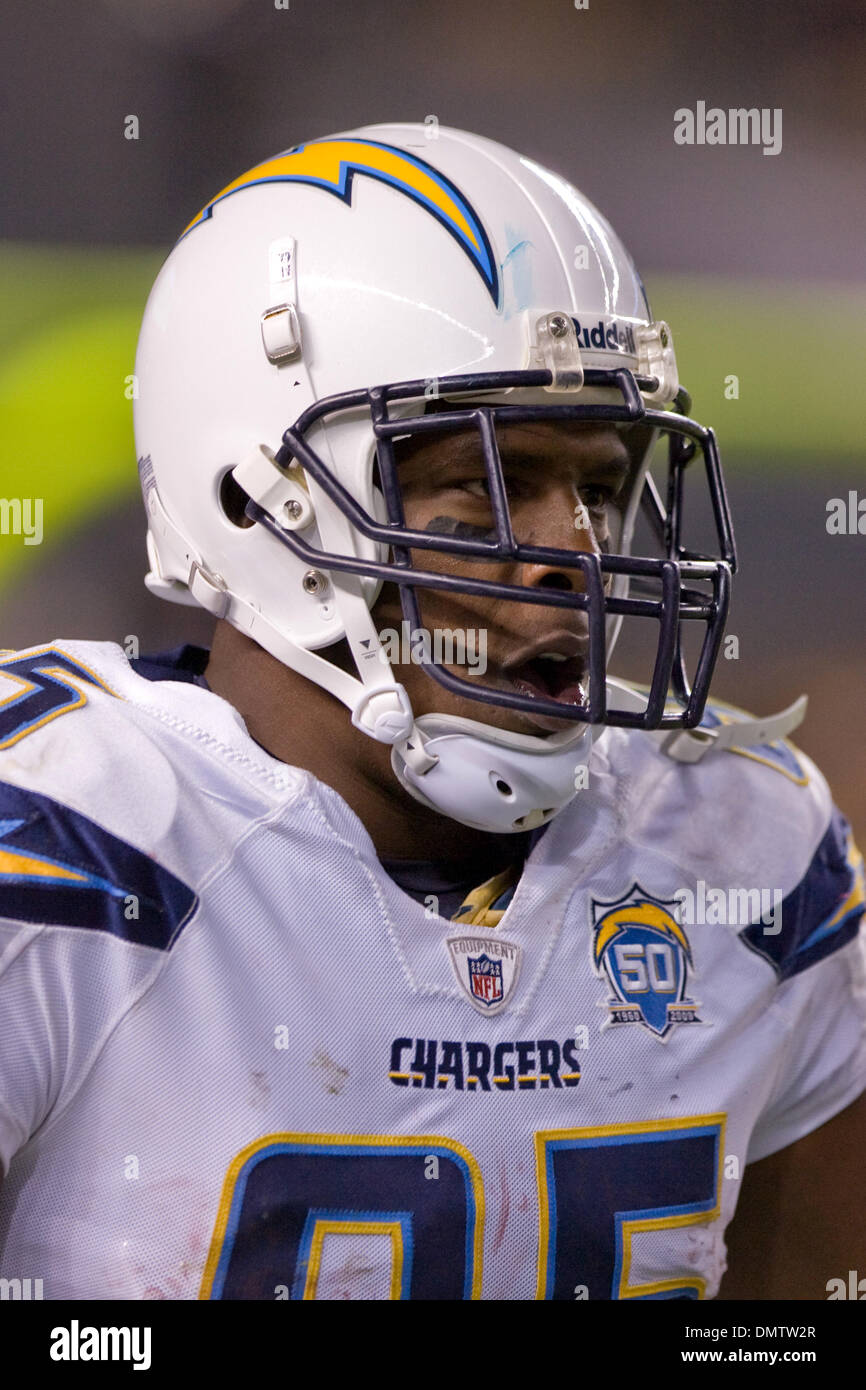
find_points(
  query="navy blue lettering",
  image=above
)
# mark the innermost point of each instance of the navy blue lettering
(478, 1063)
(451, 1065)
(398, 1047)
(424, 1063)
(503, 1076)
(572, 1061)
(525, 1064)
(548, 1063)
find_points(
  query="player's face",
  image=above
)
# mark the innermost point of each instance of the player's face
(564, 483)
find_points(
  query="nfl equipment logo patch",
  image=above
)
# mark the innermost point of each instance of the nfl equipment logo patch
(643, 952)
(486, 968)
(485, 979)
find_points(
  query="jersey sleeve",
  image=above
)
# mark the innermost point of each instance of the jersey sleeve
(820, 957)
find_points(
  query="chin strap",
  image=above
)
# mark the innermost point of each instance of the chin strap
(493, 780)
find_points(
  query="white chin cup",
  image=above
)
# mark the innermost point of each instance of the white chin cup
(496, 781)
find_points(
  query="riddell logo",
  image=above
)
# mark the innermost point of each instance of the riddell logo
(613, 336)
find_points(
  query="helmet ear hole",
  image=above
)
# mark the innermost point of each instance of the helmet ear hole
(233, 501)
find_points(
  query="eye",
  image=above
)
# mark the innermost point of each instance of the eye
(594, 498)
(476, 487)
(480, 487)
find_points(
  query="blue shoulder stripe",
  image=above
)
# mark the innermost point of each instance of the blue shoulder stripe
(823, 913)
(59, 868)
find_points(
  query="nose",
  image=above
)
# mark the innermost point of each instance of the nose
(559, 523)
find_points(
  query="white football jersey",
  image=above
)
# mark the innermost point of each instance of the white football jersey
(237, 1061)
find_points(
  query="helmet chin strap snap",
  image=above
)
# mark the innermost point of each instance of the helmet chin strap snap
(387, 723)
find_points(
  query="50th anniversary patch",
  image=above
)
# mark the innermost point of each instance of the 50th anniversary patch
(643, 953)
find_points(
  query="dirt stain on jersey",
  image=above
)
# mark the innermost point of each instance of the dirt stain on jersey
(260, 1090)
(332, 1075)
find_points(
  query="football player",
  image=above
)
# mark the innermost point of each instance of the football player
(394, 948)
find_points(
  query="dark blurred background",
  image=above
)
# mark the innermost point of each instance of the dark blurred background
(756, 261)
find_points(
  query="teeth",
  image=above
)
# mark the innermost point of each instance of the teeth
(551, 656)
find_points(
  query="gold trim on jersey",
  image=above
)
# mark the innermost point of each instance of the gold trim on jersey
(639, 1224)
(425, 1143)
(329, 1226)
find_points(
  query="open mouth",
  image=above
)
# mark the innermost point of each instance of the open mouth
(550, 676)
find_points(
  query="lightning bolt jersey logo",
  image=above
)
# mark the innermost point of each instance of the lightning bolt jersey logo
(18, 867)
(333, 164)
(59, 868)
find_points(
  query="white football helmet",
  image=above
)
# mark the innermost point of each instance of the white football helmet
(306, 318)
